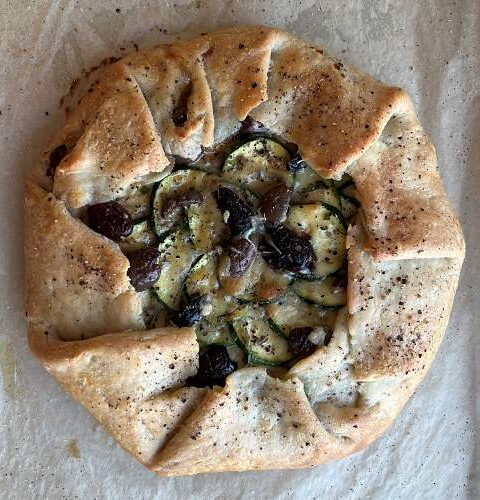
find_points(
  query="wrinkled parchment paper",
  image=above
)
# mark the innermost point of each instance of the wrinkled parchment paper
(49, 446)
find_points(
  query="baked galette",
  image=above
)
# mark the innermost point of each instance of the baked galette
(239, 254)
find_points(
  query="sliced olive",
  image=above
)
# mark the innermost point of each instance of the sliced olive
(110, 219)
(251, 126)
(190, 313)
(181, 200)
(299, 343)
(288, 251)
(296, 164)
(239, 212)
(144, 270)
(242, 253)
(214, 366)
(274, 204)
(56, 156)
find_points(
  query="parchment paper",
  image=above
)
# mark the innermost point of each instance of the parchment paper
(49, 446)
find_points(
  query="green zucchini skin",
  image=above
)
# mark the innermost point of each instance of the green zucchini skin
(326, 229)
(252, 314)
(262, 343)
(323, 293)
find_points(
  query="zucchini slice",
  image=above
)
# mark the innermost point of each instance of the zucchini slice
(155, 315)
(318, 193)
(262, 343)
(323, 293)
(176, 258)
(306, 179)
(140, 237)
(202, 278)
(258, 164)
(206, 223)
(215, 333)
(137, 201)
(239, 285)
(327, 235)
(270, 286)
(291, 312)
(176, 182)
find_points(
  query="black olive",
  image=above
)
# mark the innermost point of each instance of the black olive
(239, 212)
(190, 313)
(144, 270)
(288, 251)
(110, 219)
(56, 156)
(251, 126)
(295, 164)
(242, 253)
(299, 343)
(274, 204)
(214, 366)
(181, 200)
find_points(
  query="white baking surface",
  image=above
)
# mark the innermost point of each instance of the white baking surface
(49, 446)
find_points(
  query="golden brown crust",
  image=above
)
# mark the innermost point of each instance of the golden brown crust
(398, 310)
(76, 280)
(406, 211)
(127, 381)
(405, 254)
(254, 422)
(111, 142)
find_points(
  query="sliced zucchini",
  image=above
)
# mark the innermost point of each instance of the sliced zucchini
(306, 179)
(206, 223)
(261, 342)
(141, 237)
(219, 304)
(291, 312)
(323, 293)
(318, 193)
(257, 164)
(202, 278)
(327, 235)
(215, 333)
(271, 285)
(239, 285)
(137, 201)
(155, 315)
(177, 182)
(176, 259)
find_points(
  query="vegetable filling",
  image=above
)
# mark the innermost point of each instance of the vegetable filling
(246, 244)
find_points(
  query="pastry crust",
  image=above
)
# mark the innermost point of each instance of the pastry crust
(405, 252)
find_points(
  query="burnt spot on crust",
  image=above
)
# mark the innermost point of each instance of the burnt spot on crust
(180, 111)
(55, 158)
